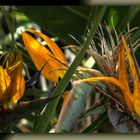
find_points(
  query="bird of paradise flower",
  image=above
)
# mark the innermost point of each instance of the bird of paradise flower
(12, 84)
(131, 99)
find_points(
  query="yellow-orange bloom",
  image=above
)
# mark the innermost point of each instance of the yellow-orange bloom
(132, 99)
(12, 83)
(52, 58)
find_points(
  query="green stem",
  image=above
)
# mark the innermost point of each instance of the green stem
(44, 122)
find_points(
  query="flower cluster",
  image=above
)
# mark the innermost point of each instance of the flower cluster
(131, 97)
(12, 82)
(54, 65)
(51, 62)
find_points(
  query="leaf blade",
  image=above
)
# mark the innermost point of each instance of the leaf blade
(43, 124)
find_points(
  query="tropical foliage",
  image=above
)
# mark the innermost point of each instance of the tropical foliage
(69, 69)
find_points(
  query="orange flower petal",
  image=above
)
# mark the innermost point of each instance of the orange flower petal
(136, 81)
(132, 67)
(122, 73)
(91, 72)
(41, 56)
(4, 82)
(52, 45)
(125, 91)
(17, 87)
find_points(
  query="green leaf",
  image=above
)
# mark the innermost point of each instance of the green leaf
(135, 35)
(122, 15)
(129, 16)
(94, 111)
(101, 121)
(44, 122)
(10, 24)
(59, 21)
(22, 110)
